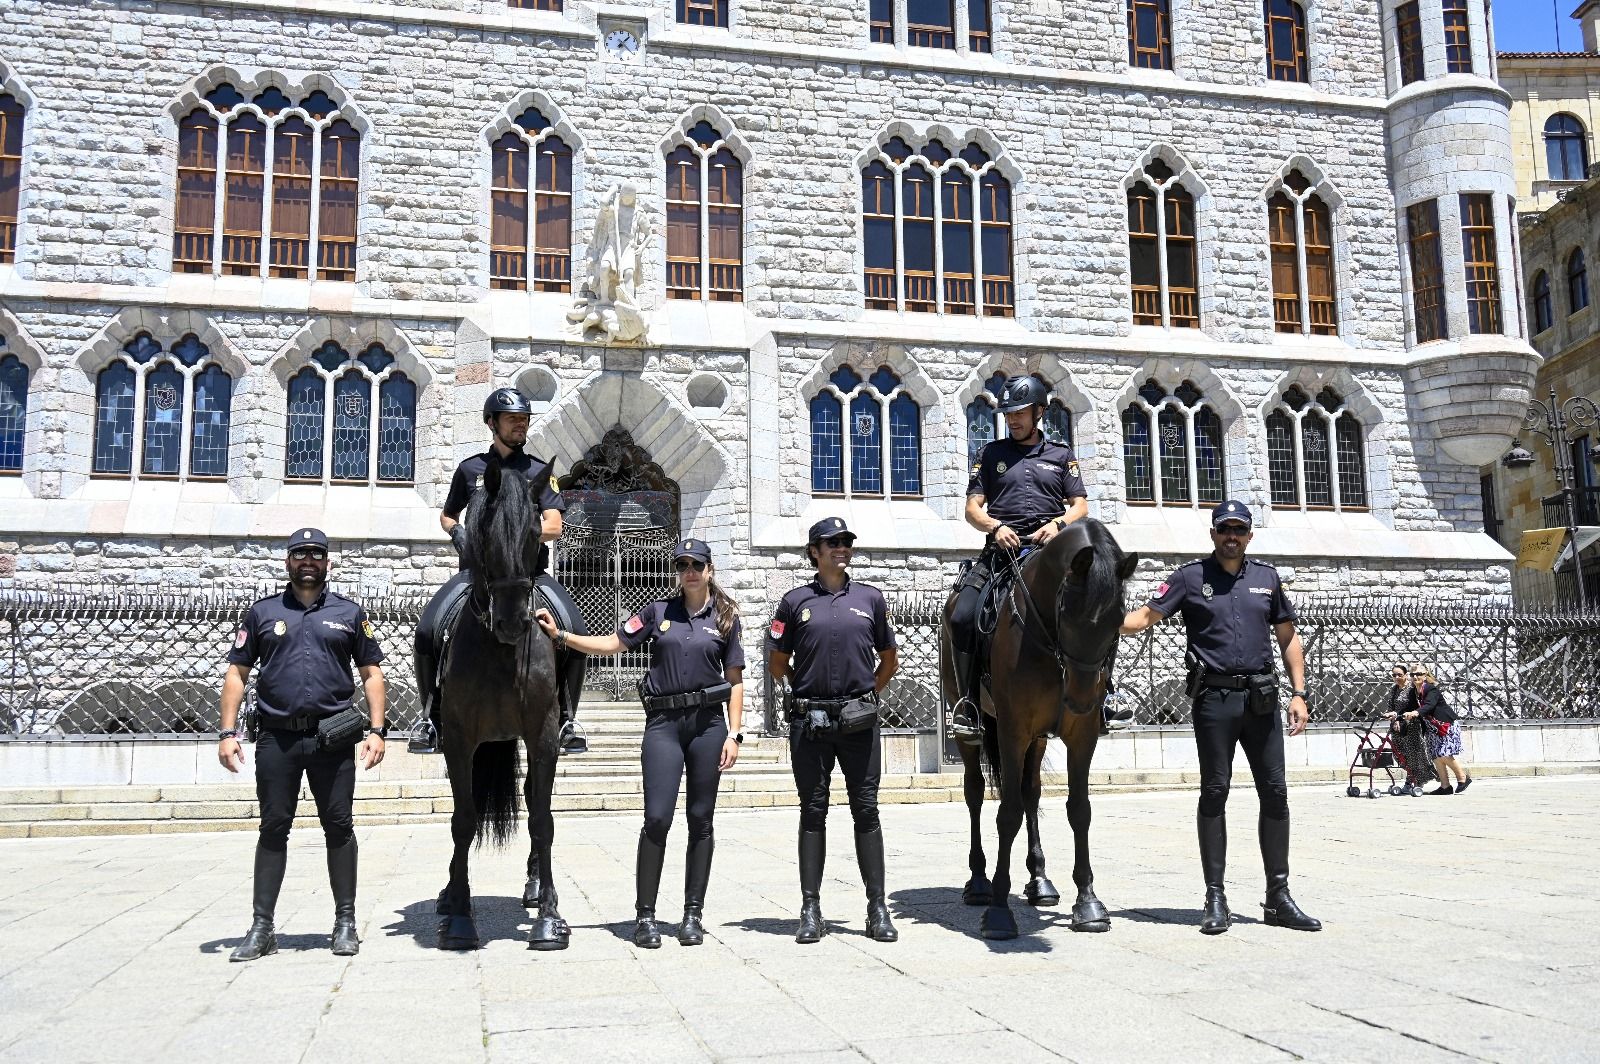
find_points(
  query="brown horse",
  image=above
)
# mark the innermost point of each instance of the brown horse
(1050, 660)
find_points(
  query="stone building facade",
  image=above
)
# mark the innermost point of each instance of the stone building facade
(1555, 103)
(806, 100)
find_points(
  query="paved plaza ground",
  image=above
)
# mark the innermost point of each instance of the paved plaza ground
(1460, 930)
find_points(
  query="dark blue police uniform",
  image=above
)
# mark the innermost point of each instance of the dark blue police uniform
(305, 654)
(1026, 486)
(469, 476)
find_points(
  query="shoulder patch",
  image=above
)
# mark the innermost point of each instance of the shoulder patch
(241, 639)
(634, 624)
(1163, 589)
(777, 629)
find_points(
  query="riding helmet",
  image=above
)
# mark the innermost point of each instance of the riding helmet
(1021, 393)
(505, 401)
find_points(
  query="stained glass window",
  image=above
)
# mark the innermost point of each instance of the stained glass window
(113, 423)
(13, 411)
(208, 447)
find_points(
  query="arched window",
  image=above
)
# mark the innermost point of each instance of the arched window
(13, 410)
(1286, 40)
(848, 406)
(703, 12)
(530, 160)
(985, 423)
(705, 218)
(11, 118)
(1566, 148)
(1542, 312)
(1162, 253)
(1172, 447)
(372, 438)
(170, 407)
(932, 260)
(1150, 34)
(299, 223)
(1304, 296)
(1577, 282)
(1316, 458)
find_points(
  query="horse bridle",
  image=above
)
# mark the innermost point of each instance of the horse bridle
(485, 614)
(1065, 659)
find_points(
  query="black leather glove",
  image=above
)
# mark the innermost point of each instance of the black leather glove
(458, 537)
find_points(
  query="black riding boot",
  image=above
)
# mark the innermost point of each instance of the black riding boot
(813, 849)
(869, 855)
(965, 725)
(571, 740)
(342, 878)
(696, 874)
(261, 940)
(647, 882)
(1280, 909)
(1213, 863)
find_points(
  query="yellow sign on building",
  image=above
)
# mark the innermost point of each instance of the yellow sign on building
(1540, 547)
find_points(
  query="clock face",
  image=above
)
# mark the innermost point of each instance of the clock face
(622, 44)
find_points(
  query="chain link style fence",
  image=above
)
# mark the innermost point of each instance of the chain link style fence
(88, 660)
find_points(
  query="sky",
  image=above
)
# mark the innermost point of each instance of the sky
(1530, 25)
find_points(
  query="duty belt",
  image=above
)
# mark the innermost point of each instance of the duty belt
(715, 695)
(304, 723)
(806, 705)
(1229, 682)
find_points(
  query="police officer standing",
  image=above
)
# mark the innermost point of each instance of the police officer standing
(1024, 490)
(696, 666)
(1232, 606)
(305, 639)
(506, 412)
(831, 640)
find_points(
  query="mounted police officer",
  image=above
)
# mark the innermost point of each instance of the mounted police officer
(1024, 490)
(506, 412)
(1232, 609)
(830, 638)
(305, 639)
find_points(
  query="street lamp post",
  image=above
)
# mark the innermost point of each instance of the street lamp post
(1550, 421)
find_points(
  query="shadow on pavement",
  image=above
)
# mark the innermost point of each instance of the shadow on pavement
(943, 906)
(497, 918)
(1191, 917)
(286, 943)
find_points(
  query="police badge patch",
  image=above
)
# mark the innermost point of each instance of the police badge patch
(805, 614)
(1000, 467)
(1072, 467)
(1205, 589)
(664, 625)
(366, 629)
(279, 628)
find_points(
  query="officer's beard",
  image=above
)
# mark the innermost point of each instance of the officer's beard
(309, 577)
(515, 447)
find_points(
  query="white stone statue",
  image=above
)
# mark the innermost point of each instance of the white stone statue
(610, 295)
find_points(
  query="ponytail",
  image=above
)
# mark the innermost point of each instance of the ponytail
(727, 610)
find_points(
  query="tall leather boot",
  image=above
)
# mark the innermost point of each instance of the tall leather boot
(647, 882)
(1214, 863)
(261, 941)
(696, 874)
(342, 878)
(869, 856)
(571, 739)
(964, 724)
(813, 850)
(1279, 909)
(425, 740)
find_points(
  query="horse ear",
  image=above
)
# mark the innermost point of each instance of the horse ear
(491, 475)
(1081, 562)
(1130, 562)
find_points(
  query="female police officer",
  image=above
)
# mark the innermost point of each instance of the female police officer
(832, 630)
(696, 664)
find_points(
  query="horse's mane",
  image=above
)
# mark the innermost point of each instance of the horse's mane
(499, 519)
(1102, 586)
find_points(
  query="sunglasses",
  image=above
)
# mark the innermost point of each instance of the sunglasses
(685, 564)
(1231, 531)
(308, 554)
(840, 541)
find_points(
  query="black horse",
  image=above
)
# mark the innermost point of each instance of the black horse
(499, 684)
(1050, 660)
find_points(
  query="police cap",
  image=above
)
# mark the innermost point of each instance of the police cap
(1021, 393)
(692, 548)
(506, 401)
(829, 527)
(307, 537)
(1232, 510)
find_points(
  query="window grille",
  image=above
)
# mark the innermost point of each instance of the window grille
(13, 410)
(859, 409)
(1315, 455)
(1172, 447)
(985, 423)
(372, 435)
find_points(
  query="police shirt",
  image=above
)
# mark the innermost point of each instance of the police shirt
(1026, 486)
(469, 475)
(1228, 619)
(686, 653)
(833, 638)
(305, 653)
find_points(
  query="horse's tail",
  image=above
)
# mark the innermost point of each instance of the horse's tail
(989, 753)
(494, 791)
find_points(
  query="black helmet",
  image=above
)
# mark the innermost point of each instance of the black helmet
(1021, 393)
(505, 401)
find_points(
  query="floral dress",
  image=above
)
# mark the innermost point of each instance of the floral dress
(1431, 702)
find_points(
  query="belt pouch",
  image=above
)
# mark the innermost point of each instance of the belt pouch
(1263, 691)
(857, 715)
(343, 729)
(1194, 678)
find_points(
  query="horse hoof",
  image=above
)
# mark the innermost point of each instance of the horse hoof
(549, 933)
(530, 895)
(978, 891)
(998, 924)
(458, 933)
(1090, 916)
(1042, 893)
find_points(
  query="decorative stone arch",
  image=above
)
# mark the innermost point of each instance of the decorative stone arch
(45, 403)
(1376, 426)
(434, 402)
(540, 384)
(505, 121)
(250, 80)
(1237, 432)
(1205, 226)
(708, 478)
(749, 177)
(1328, 191)
(12, 85)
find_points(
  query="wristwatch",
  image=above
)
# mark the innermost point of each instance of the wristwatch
(227, 733)
(739, 738)
(1061, 524)
(382, 733)
(1301, 694)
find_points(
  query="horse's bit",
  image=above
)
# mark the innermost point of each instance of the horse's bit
(486, 615)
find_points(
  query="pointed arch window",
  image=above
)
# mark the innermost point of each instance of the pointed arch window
(935, 224)
(371, 437)
(1316, 455)
(1566, 148)
(859, 429)
(1543, 310)
(13, 410)
(1162, 250)
(1172, 448)
(267, 187)
(11, 120)
(530, 244)
(1577, 282)
(1286, 40)
(1150, 34)
(985, 423)
(705, 218)
(1304, 290)
(162, 412)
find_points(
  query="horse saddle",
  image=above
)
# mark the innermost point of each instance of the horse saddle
(549, 595)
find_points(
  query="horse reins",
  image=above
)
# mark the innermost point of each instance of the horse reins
(486, 615)
(1065, 659)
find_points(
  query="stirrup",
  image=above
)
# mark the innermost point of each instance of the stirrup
(965, 728)
(425, 740)
(572, 739)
